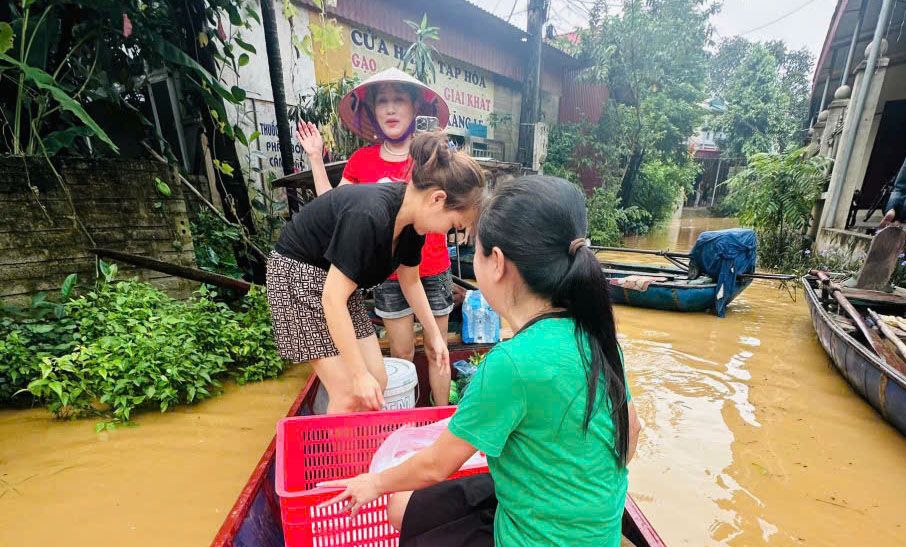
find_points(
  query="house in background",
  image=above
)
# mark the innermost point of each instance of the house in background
(858, 112)
(705, 149)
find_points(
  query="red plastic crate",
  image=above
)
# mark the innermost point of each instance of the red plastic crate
(314, 449)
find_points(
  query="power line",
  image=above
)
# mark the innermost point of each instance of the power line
(512, 10)
(781, 18)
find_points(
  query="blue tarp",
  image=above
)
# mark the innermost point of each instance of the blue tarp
(723, 255)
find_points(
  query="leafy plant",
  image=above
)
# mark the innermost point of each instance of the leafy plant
(775, 195)
(418, 54)
(652, 56)
(661, 185)
(776, 192)
(321, 108)
(214, 241)
(126, 346)
(326, 34)
(603, 217)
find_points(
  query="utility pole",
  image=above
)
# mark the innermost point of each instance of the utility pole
(275, 64)
(530, 113)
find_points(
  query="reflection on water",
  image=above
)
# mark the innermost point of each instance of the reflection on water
(750, 437)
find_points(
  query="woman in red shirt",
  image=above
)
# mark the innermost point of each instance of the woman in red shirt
(382, 110)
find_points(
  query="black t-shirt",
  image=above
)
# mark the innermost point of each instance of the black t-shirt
(351, 227)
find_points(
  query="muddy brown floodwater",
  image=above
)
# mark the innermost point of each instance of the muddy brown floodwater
(751, 438)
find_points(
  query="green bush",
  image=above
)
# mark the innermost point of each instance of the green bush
(127, 345)
(214, 241)
(661, 186)
(604, 215)
(28, 335)
(634, 221)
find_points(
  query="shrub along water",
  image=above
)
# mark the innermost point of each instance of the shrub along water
(126, 346)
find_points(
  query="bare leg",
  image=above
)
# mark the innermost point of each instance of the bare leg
(440, 381)
(401, 333)
(337, 380)
(396, 509)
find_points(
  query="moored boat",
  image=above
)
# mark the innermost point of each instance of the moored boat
(673, 291)
(254, 520)
(870, 375)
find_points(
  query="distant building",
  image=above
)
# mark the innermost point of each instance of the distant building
(705, 149)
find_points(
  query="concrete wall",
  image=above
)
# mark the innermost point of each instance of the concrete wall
(115, 200)
(851, 243)
(508, 101)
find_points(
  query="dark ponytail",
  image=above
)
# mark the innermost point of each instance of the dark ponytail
(534, 221)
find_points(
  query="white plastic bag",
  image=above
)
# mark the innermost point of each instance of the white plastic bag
(406, 441)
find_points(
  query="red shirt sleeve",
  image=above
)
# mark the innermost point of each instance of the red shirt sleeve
(352, 170)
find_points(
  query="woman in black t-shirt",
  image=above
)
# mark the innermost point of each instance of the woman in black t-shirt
(354, 238)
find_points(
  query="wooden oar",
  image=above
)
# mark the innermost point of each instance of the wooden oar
(671, 256)
(641, 251)
(874, 341)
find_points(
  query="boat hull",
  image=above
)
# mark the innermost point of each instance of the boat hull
(669, 296)
(882, 386)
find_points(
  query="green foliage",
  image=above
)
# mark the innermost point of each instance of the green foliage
(634, 221)
(775, 195)
(126, 346)
(653, 59)
(419, 53)
(604, 215)
(777, 191)
(661, 185)
(75, 70)
(214, 243)
(30, 334)
(727, 207)
(766, 88)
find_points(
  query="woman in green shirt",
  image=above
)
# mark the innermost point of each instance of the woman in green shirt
(550, 407)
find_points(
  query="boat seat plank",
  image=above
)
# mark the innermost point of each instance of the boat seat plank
(873, 296)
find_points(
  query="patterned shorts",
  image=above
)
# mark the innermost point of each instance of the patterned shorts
(294, 291)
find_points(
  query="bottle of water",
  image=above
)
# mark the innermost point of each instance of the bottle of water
(481, 324)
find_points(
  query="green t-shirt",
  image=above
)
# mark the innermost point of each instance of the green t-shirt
(524, 408)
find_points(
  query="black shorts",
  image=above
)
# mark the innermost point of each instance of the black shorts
(389, 302)
(458, 513)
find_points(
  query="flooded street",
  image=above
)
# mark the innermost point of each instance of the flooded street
(750, 438)
(170, 481)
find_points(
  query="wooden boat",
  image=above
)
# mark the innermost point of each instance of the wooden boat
(254, 520)
(677, 293)
(870, 376)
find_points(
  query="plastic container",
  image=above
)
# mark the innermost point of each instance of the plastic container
(314, 449)
(402, 381)
(480, 323)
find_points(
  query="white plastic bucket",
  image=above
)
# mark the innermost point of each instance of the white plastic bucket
(402, 381)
